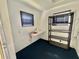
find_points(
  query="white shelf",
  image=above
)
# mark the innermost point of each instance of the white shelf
(62, 42)
(37, 33)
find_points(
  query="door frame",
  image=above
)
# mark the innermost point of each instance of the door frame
(3, 43)
(6, 27)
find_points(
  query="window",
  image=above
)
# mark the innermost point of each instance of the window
(61, 19)
(27, 19)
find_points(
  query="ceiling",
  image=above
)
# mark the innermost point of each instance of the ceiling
(46, 4)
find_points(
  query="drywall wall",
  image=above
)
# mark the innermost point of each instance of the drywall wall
(21, 34)
(69, 6)
(44, 24)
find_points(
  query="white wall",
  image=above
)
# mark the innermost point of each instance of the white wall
(70, 6)
(21, 34)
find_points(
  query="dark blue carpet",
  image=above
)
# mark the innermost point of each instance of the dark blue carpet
(41, 49)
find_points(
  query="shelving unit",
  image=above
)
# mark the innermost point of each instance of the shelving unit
(60, 34)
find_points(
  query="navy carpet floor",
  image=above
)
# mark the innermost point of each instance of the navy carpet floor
(42, 50)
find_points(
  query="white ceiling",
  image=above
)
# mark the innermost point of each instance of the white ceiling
(46, 4)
